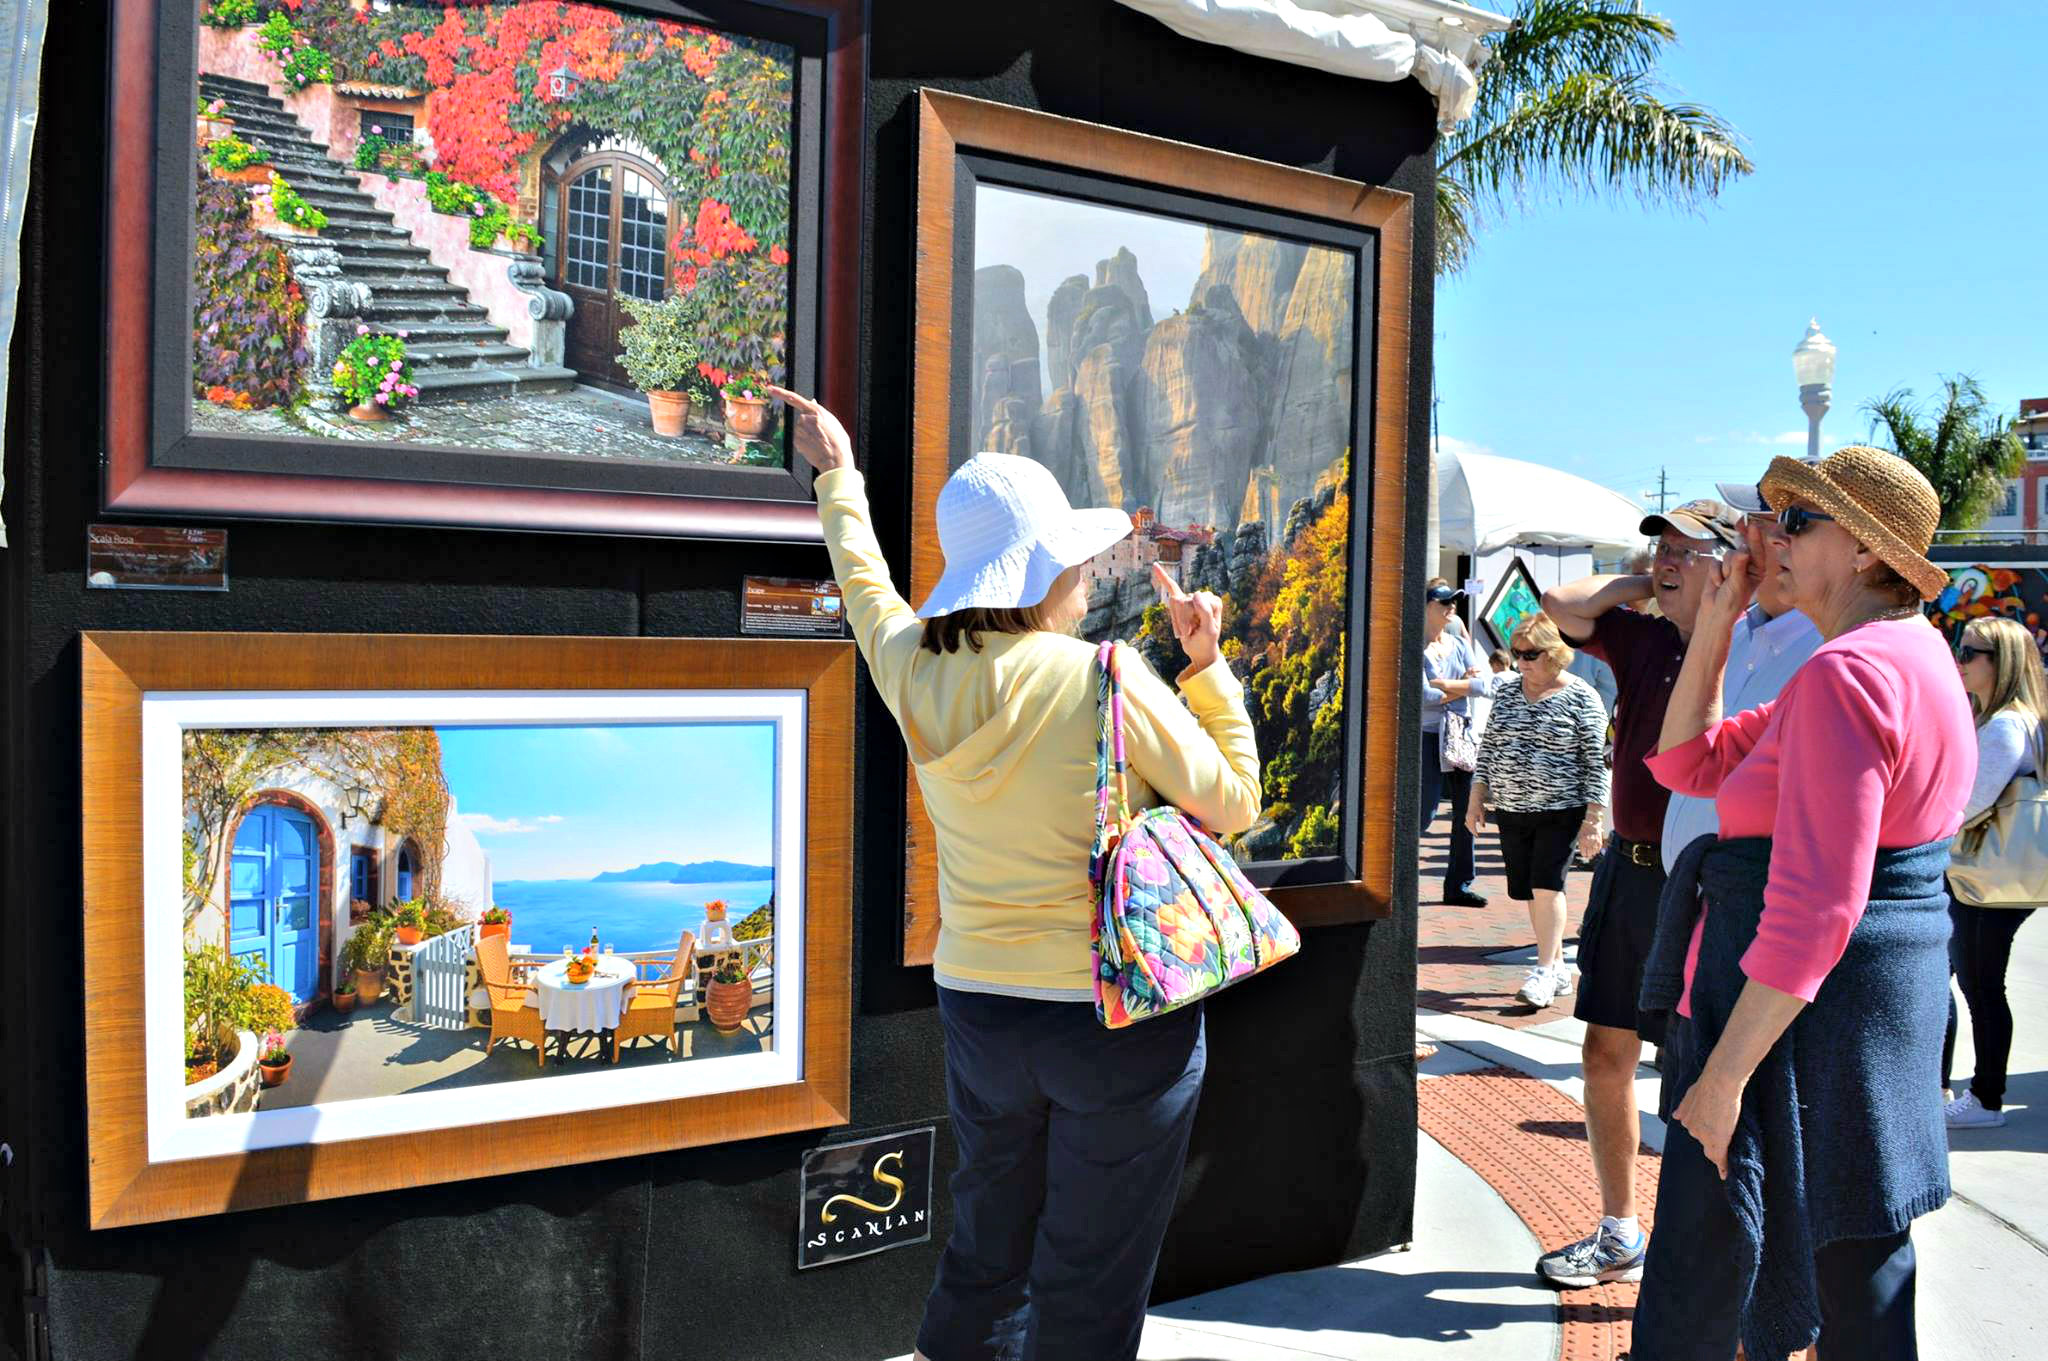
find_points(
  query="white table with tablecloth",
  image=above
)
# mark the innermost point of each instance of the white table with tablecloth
(591, 1007)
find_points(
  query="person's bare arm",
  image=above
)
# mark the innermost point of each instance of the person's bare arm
(1695, 704)
(1578, 605)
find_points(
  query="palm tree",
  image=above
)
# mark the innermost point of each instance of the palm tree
(1967, 450)
(1568, 103)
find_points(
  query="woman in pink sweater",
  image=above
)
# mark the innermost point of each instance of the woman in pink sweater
(1803, 1136)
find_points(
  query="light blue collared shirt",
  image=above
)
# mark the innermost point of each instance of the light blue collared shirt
(1762, 655)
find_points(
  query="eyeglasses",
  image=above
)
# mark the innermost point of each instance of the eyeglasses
(1530, 655)
(1967, 653)
(1687, 556)
(1796, 520)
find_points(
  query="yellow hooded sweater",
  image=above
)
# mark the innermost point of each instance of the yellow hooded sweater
(1003, 742)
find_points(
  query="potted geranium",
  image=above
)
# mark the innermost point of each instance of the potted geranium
(230, 158)
(373, 375)
(213, 120)
(412, 922)
(344, 998)
(748, 412)
(729, 996)
(522, 236)
(661, 357)
(496, 921)
(274, 1059)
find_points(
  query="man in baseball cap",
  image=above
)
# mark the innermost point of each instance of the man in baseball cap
(1645, 650)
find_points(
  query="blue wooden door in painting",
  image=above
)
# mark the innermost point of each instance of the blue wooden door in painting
(271, 883)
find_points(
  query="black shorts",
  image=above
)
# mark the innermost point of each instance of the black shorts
(1537, 847)
(1614, 942)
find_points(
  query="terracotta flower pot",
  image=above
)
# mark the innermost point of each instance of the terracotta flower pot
(344, 1001)
(503, 928)
(213, 129)
(670, 410)
(370, 411)
(748, 417)
(274, 1074)
(369, 986)
(258, 173)
(727, 1004)
(410, 935)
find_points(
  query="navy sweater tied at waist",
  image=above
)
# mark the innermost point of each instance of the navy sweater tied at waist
(1841, 1133)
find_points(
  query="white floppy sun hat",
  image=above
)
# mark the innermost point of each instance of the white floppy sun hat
(1008, 531)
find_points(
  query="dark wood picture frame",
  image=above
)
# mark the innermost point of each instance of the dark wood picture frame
(954, 133)
(1516, 573)
(153, 466)
(119, 668)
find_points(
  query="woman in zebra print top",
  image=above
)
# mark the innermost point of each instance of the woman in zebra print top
(1542, 765)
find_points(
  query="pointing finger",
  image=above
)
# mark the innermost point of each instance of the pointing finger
(795, 399)
(1167, 585)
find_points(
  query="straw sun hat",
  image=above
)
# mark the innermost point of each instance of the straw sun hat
(1878, 497)
(1007, 532)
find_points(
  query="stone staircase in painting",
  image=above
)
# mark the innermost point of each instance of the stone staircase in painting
(456, 353)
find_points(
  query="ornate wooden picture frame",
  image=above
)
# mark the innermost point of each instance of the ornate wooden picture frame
(1351, 246)
(339, 747)
(516, 412)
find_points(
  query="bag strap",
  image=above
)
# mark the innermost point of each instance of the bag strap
(1110, 785)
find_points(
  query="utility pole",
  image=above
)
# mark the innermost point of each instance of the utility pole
(1662, 492)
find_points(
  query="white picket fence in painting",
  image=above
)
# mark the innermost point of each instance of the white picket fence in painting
(440, 979)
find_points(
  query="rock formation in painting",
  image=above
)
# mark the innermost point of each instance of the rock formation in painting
(1236, 408)
(1007, 389)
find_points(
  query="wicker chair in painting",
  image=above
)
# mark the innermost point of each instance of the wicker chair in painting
(651, 1010)
(513, 1017)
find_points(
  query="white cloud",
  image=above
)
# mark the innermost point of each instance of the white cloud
(483, 824)
(550, 817)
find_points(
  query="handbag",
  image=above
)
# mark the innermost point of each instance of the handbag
(1175, 919)
(2001, 859)
(1456, 745)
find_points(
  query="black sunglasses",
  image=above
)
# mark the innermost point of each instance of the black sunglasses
(1796, 520)
(1968, 652)
(1533, 654)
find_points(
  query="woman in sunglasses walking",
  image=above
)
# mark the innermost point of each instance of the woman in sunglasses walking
(1806, 948)
(1543, 766)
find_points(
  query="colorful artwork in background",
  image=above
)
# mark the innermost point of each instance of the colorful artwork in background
(310, 853)
(1201, 379)
(1515, 599)
(433, 169)
(1983, 591)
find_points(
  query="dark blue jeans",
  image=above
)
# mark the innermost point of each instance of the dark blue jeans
(1438, 784)
(1693, 1288)
(1072, 1139)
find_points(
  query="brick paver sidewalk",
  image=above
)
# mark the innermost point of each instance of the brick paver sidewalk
(1453, 971)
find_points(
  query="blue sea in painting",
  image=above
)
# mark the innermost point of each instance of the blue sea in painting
(550, 913)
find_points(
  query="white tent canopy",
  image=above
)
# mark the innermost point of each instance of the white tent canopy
(1488, 502)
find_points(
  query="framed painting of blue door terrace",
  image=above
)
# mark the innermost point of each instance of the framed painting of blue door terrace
(581, 897)
(1219, 347)
(504, 263)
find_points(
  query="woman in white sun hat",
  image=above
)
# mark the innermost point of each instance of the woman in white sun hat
(1071, 1136)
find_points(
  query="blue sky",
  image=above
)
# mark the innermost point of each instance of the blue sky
(569, 802)
(1900, 196)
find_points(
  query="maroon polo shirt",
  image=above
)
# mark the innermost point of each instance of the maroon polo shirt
(1645, 651)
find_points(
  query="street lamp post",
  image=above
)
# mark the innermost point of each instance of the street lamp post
(1813, 364)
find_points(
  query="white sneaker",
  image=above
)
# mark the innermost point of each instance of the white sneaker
(1563, 974)
(1967, 1112)
(1539, 989)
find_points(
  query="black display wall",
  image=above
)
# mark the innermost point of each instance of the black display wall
(1304, 1152)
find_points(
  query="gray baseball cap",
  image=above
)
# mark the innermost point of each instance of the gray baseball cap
(1748, 497)
(1702, 519)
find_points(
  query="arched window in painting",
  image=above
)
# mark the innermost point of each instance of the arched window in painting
(643, 237)
(407, 872)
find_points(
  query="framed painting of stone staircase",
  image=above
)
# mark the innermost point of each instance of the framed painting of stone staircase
(508, 265)
(1218, 346)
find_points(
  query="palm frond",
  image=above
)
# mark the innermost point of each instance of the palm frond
(1964, 449)
(1553, 40)
(1454, 225)
(1600, 133)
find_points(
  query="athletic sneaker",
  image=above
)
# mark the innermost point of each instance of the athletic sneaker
(1539, 989)
(1563, 974)
(1602, 1256)
(1967, 1112)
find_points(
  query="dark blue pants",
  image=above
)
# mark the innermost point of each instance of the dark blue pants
(1072, 1139)
(1693, 1289)
(1978, 951)
(1438, 784)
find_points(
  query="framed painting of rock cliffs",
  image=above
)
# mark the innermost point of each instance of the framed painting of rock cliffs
(463, 906)
(518, 264)
(1219, 347)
